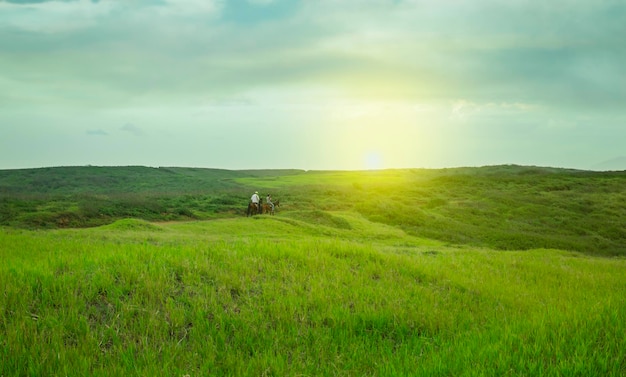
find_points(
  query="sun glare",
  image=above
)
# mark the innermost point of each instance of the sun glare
(373, 160)
(376, 135)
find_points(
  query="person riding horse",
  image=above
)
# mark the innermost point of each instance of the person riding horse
(253, 206)
(271, 206)
(268, 199)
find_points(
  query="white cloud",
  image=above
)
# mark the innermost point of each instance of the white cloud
(166, 51)
(132, 129)
(189, 7)
(67, 16)
(261, 2)
(97, 132)
(55, 16)
(463, 110)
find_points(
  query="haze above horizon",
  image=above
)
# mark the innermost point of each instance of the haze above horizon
(324, 85)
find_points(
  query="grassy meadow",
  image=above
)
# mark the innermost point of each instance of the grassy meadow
(512, 271)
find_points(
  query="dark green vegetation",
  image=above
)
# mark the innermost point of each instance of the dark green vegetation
(92, 196)
(386, 273)
(502, 207)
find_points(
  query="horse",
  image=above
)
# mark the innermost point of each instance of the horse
(253, 209)
(268, 208)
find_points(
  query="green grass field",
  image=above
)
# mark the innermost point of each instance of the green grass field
(506, 271)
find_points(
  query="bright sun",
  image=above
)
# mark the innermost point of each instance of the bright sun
(373, 160)
(375, 135)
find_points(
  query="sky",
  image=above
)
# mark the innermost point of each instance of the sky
(312, 84)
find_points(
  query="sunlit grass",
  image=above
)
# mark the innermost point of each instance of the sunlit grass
(289, 296)
(491, 271)
(501, 207)
(384, 178)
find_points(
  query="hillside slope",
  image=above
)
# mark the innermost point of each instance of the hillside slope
(309, 293)
(502, 207)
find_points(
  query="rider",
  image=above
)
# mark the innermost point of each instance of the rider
(268, 199)
(255, 199)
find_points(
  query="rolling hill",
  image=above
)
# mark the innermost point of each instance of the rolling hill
(506, 207)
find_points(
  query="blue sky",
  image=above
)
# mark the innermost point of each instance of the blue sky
(324, 84)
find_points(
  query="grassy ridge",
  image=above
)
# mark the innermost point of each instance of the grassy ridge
(305, 294)
(93, 196)
(112, 180)
(512, 211)
(501, 207)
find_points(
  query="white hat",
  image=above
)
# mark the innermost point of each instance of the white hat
(256, 192)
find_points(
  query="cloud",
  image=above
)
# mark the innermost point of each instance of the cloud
(97, 132)
(463, 110)
(27, 1)
(261, 2)
(52, 16)
(62, 16)
(145, 52)
(132, 129)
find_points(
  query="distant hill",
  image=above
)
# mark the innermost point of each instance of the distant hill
(614, 164)
(506, 207)
(72, 180)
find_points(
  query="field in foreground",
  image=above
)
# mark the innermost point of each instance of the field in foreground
(504, 270)
(313, 293)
